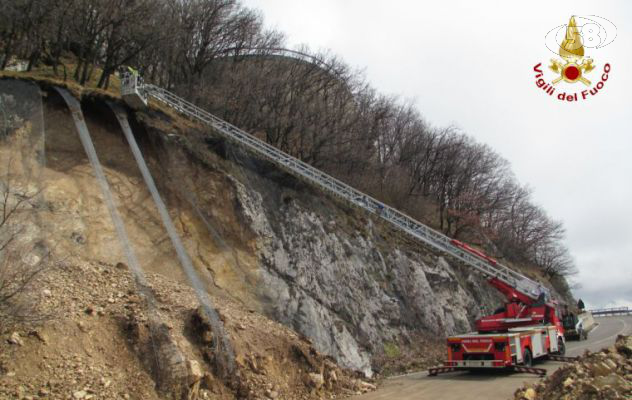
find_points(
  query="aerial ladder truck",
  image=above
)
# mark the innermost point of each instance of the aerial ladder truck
(528, 326)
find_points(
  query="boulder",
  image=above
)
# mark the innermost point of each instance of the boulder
(315, 381)
(613, 380)
(600, 368)
(624, 345)
(195, 372)
(367, 387)
(16, 339)
(529, 394)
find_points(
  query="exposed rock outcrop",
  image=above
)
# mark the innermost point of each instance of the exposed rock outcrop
(338, 277)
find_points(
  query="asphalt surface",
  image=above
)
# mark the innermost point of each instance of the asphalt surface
(492, 385)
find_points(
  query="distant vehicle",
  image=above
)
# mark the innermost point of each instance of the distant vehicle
(574, 328)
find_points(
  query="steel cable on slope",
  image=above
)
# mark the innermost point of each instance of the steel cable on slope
(221, 342)
(193, 200)
(217, 237)
(135, 268)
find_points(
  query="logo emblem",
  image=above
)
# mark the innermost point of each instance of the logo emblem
(574, 66)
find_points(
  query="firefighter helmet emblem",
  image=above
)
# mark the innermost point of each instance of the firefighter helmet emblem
(574, 66)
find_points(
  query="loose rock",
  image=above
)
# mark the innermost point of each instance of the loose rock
(16, 339)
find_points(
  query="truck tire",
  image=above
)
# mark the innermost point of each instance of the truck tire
(527, 358)
(561, 347)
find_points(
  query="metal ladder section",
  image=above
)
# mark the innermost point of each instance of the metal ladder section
(417, 230)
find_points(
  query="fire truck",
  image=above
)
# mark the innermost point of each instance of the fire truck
(526, 329)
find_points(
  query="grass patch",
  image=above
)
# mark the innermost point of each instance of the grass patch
(391, 350)
(45, 74)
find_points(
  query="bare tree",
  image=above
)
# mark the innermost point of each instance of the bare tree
(129, 32)
(555, 260)
(21, 259)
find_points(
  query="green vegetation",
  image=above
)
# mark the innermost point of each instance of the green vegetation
(391, 350)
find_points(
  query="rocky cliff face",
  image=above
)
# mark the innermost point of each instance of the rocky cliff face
(338, 275)
(343, 280)
(331, 272)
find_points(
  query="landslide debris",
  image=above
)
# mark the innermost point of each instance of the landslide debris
(98, 345)
(604, 375)
(417, 353)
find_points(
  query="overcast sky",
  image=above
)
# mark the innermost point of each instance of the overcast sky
(470, 64)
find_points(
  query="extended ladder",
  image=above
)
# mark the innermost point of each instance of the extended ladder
(135, 93)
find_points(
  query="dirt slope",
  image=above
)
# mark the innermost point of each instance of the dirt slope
(92, 335)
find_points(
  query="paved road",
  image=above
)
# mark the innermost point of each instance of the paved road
(501, 386)
(603, 335)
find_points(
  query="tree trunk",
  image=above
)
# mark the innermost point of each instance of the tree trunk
(7, 56)
(105, 76)
(33, 59)
(78, 69)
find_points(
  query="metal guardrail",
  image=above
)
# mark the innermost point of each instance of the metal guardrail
(280, 52)
(611, 311)
(408, 225)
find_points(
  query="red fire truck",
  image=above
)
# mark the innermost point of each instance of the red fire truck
(527, 328)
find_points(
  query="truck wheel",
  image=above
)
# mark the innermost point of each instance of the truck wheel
(561, 347)
(527, 358)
